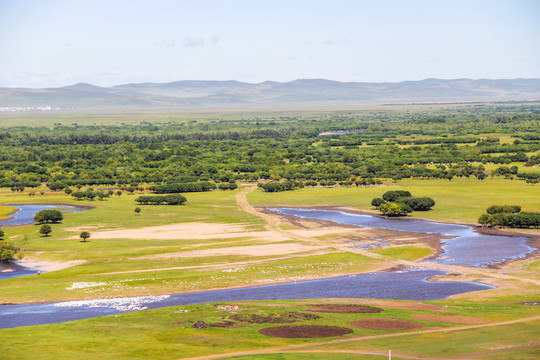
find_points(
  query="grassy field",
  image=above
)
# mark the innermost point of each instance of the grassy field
(127, 266)
(5, 211)
(167, 333)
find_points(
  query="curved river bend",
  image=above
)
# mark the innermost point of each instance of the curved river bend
(25, 213)
(466, 247)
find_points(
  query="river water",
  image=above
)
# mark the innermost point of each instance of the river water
(466, 247)
(408, 284)
(25, 213)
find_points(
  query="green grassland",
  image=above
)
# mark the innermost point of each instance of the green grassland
(167, 333)
(117, 266)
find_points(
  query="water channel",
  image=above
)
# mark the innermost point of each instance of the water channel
(405, 284)
(465, 247)
(25, 213)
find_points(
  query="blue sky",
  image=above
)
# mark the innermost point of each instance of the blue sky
(49, 43)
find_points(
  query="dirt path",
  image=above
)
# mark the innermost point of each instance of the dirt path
(273, 223)
(295, 348)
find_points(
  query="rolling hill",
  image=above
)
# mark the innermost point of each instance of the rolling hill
(304, 92)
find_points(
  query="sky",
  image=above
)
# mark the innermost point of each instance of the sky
(51, 43)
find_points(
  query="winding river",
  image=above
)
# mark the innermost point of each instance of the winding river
(465, 247)
(407, 284)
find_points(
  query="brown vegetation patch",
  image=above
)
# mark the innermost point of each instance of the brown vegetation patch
(452, 319)
(287, 317)
(404, 305)
(223, 324)
(386, 324)
(305, 331)
(346, 309)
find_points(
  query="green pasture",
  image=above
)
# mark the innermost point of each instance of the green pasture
(5, 211)
(523, 337)
(167, 333)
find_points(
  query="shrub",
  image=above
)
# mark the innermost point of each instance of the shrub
(394, 209)
(376, 202)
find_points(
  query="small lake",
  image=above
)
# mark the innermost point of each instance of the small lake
(407, 284)
(25, 213)
(466, 247)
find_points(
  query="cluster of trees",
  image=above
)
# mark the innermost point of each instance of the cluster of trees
(90, 194)
(48, 216)
(280, 186)
(401, 203)
(172, 199)
(198, 186)
(509, 216)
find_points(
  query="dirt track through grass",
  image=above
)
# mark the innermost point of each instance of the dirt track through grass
(294, 348)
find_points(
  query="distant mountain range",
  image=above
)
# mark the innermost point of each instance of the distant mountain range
(235, 94)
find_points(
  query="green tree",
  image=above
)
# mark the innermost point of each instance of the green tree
(84, 235)
(1, 234)
(8, 251)
(45, 230)
(48, 216)
(137, 210)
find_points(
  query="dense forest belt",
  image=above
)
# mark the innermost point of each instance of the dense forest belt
(499, 141)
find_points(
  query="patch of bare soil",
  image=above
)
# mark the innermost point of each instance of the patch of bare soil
(386, 324)
(345, 309)
(287, 317)
(305, 331)
(452, 319)
(223, 324)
